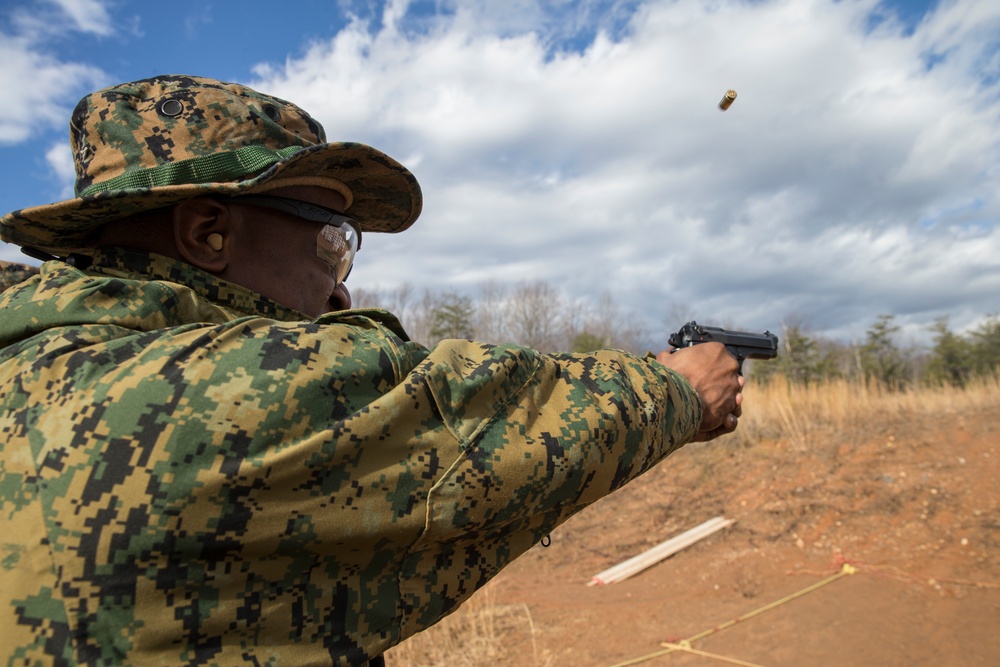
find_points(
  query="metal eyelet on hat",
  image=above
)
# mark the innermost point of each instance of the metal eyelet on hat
(170, 108)
(271, 112)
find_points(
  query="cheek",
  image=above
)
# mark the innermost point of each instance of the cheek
(282, 265)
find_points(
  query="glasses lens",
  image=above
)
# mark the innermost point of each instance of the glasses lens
(336, 245)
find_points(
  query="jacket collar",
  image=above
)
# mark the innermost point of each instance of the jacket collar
(135, 264)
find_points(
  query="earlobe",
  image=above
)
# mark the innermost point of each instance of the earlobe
(201, 226)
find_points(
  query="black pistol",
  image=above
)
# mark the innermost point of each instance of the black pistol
(741, 344)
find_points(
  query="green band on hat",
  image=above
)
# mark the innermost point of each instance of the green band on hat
(214, 168)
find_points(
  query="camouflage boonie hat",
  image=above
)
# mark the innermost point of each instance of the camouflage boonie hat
(151, 143)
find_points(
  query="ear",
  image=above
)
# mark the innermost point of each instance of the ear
(202, 226)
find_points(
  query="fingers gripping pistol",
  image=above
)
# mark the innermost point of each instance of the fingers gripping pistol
(741, 344)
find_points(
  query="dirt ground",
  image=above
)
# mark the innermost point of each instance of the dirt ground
(914, 507)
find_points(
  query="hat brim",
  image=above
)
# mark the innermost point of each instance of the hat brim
(385, 198)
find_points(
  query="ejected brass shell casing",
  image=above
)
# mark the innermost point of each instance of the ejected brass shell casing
(727, 99)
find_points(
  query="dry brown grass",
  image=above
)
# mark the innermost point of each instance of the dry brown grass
(799, 414)
(481, 632)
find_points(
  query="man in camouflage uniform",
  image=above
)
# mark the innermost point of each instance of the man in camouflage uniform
(208, 458)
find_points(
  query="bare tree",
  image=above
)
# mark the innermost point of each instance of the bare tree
(489, 321)
(621, 330)
(536, 315)
(603, 324)
(413, 313)
(397, 301)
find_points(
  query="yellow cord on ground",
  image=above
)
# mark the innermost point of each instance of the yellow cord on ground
(844, 571)
(721, 658)
(684, 645)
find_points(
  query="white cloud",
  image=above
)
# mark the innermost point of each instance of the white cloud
(87, 15)
(43, 84)
(39, 20)
(841, 184)
(59, 157)
(197, 21)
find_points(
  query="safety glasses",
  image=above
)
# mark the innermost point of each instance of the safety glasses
(337, 242)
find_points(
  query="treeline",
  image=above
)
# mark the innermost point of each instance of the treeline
(531, 313)
(535, 314)
(953, 359)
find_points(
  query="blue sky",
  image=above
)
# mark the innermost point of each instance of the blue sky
(578, 143)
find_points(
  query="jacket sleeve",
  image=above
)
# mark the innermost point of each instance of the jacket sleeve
(536, 438)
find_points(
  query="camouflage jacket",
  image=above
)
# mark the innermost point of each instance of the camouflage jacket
(11, 274)
(192, 474)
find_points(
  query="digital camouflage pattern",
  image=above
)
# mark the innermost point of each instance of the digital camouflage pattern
(150, 143)
(192, 474)
(11, 274)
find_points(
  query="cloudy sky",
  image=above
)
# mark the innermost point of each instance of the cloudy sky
(581, 143)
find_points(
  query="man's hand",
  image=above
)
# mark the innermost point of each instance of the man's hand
(714, 374)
